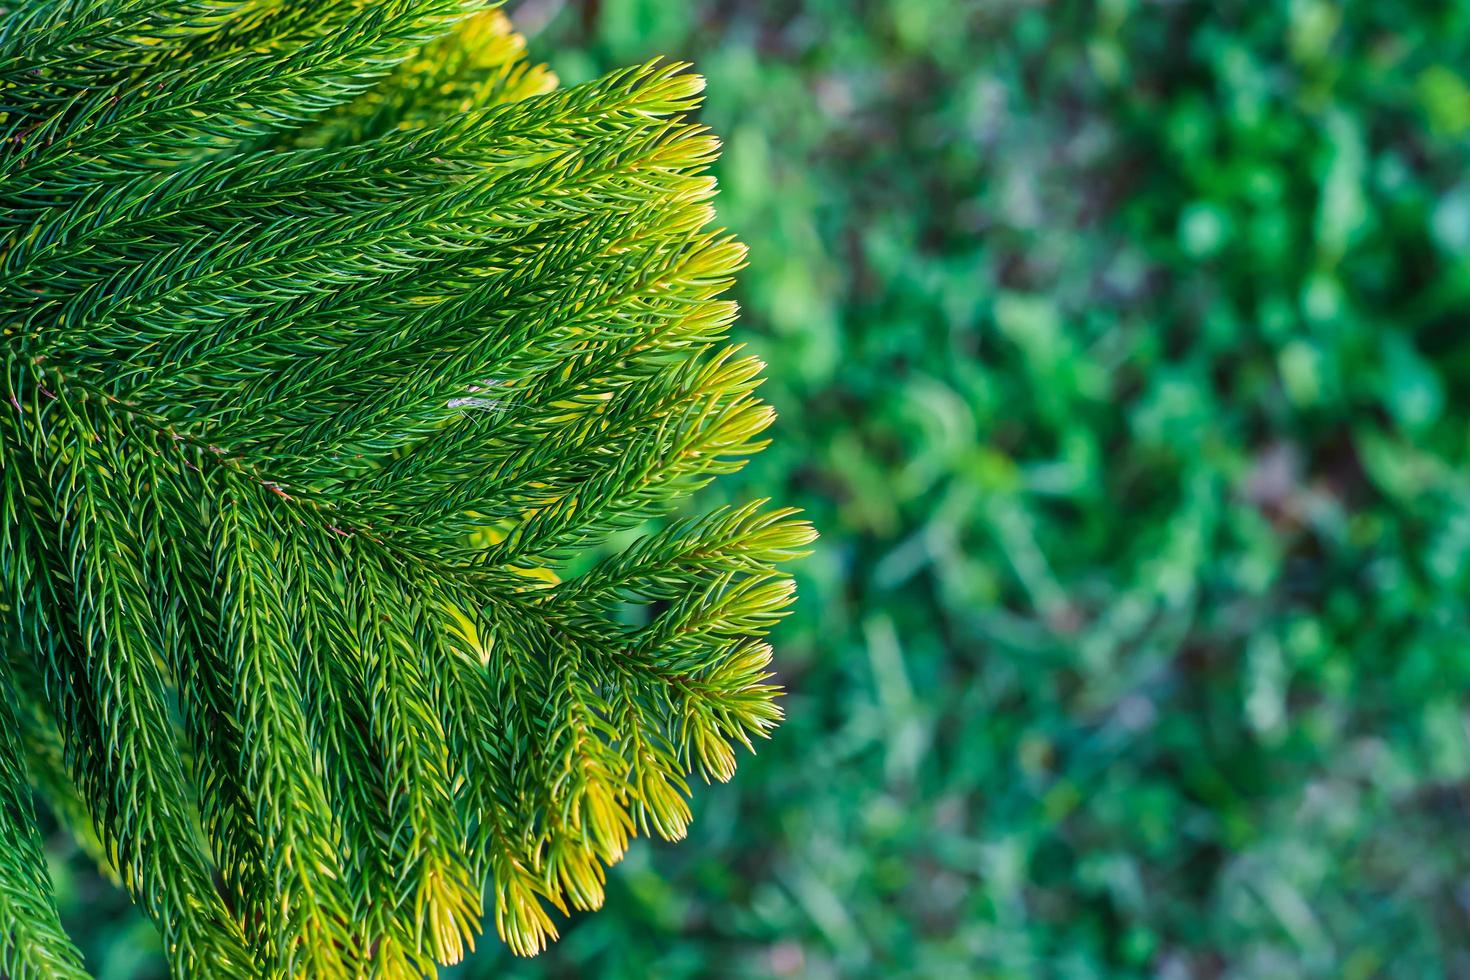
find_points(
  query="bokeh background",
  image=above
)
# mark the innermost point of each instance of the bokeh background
(1123, 357)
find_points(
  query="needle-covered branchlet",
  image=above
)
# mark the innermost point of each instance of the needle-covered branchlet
(339, 344)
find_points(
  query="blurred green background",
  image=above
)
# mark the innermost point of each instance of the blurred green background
(1122, 356)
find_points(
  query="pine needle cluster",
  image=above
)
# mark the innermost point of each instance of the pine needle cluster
(347, 361)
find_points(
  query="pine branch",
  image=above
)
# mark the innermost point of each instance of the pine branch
(84, 602)
(335, 335)
(34, 943)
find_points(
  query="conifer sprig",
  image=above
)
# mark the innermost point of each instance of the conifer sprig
(338, 342)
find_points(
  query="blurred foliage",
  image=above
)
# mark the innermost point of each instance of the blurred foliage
(1122, 360)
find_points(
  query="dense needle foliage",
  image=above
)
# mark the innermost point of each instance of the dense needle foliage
(344, 361)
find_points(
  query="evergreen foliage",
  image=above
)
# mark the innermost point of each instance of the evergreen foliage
(345, 360)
